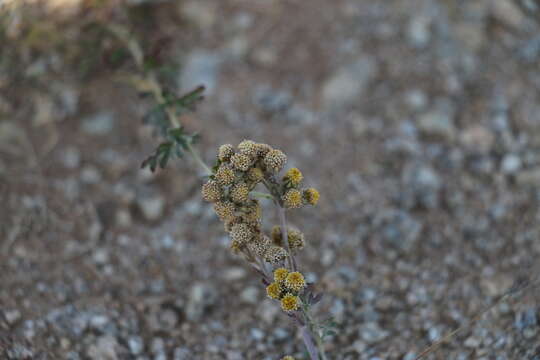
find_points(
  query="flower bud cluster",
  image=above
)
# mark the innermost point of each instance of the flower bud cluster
(287, 288)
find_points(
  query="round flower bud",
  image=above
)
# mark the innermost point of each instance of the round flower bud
(275, 160)
(280, 274)
(276, 234)
(290, 302)
(224, 175)
(263, 149)
(260, 245)
(225, 152)
(293, 176)
(224, 210)
(255, 174)
(311, 196)
(241, 233)
(292, 199)
(240, 162)
(240, 193)
(296, 239)
(275, 255)
(249, 148)
(211, 191)
(295, 281)
(273, 290)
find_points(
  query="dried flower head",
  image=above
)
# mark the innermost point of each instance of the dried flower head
(288, 357)
(248, 147)
(296, 239)
(241, 233)
(293, 176)
(263, 149)
(253, 213)
(225, 152)
(211, 191)
(311, 196)
(240, 193)
(280, 274)
(275, 255)
(255, 174)
(260, 245)
(295, 281)
(273, 290)
(292, 199)
(224, 210)
(275, 160)
(224, 175)
(240, 162)
(290, 302)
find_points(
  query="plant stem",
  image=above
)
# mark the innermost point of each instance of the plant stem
(285, 236)
(198, 159)
(261, 195)
(315, 334)
(308, 340)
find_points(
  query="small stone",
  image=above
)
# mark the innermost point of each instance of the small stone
(135, 344)
(90, 175)
(71, 157)
(372, 333)
(416, 99)
(152, 206)
(509, 13)
(257, 334)
(510, 164)
(201, 298)
(250, 295)
(201, 68)
(235, 273)
(103, 349)
(418, 31)
(101, 256)
(98, 124)
(472, 342)
(12, 316)
(529, 177)
(168, 318)
(437, 123)
(478, 139)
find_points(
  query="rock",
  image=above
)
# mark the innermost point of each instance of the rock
(526, 319)
(510, 164)
(421, 186)
(151, 205)
(203, 14)
(346, 84)
(182, 354)
(438, 123)
(104, 349)
(270, 100)
(201, 297)
(256, 334)
(507, 12)
(418, 31)
(90, 175)
(19, 352)
(98, 124)
(529, 177)
(478, 139)
(168, 318)
(135, 345)
(416, 99)
(372, 333)
(71, 157)
(472, 342)
(200, 68)
(399, 229)
(234, 273)
(12, 316)
(250, 295)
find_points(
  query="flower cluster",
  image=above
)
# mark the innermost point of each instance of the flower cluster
(287, 287)
(293, 197)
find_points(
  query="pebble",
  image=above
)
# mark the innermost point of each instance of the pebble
(12, 316)
(234, 273)
(201, 68)
(98, 124)
(250, 295)
(437, 123)
(136, 345)
(418, 31)
(372, 333)
(152, 206)
(201, 297)
(510, 164)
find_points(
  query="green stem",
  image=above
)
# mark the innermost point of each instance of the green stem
(262, 195)
(198, 159)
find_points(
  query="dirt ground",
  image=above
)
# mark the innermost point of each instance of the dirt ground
(418, 121)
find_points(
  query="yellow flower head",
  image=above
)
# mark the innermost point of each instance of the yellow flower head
(290, 302)
(255, 174)
(275, 160)
(248, 147)
(296, 239)
(311, 196)
(288, 357)
(273, 290)
(292, 199)
(295, 281)
(275, 255)
(224, 210)
(294, 176)
(211, 191)
(280, 274)
(224, 175)
(240, 162)
(241, 233)
(240, 193)
(225, 152)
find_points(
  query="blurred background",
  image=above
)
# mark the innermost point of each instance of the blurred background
(418, 121)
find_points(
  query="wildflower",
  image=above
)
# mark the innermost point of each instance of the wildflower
(275, 160)
(253, 213)
(255, 174)
(240, 162)
(275, 255)
(260, 245)
(273, 290)
(295, 281)
(224, 175)
(296, 239)
(241, 233)
(311, 196)
(248, 147)
(263, 149)
(240, 193)
(293, 176)
(224, 210)
(280, 274)
(290, 302)
(225, 152)
(211, 191)
(292, 199)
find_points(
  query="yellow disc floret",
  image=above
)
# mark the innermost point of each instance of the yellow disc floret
(224, 175)
(295, 281)
(293, 176)
(248, 147)
(211, 191)
(240, 193)
(290, 302)
(292, 199)
(240, 161)
(273, 290)
(311, 196)
(225, 152)
(224, 210)
(280, 274)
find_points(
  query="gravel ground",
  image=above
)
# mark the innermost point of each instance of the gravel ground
(418, 121)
